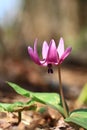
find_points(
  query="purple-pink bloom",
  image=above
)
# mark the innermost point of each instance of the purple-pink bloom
(51, 55)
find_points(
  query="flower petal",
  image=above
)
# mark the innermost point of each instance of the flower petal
(33, 56)
(60, 47)
(35, 48)
(33, 53)
(52, 56)
(44, 49)
(65, 54)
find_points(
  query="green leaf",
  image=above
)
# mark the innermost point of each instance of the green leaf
(78, 117)
(17, 106)
(10, 106)
(82, 99)
(20, 90)
(51, 99)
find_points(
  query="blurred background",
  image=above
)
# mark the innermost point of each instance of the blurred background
(21, 21)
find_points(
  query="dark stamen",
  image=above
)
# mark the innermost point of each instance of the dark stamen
(50, 70)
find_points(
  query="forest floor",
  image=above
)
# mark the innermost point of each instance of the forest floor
(28, 75)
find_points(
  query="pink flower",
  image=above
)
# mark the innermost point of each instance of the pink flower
(50, 54)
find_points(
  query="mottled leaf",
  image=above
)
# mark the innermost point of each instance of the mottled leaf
(51, 99)
(78, 117)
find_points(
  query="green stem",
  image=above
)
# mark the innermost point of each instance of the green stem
(61, 92)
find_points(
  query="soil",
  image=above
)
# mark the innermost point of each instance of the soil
(35, 78)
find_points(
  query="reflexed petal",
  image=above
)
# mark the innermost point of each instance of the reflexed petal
(45, 50)
(60, 48)
(65, 54)
(33, 56)
(52, 56)
(35, 47)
